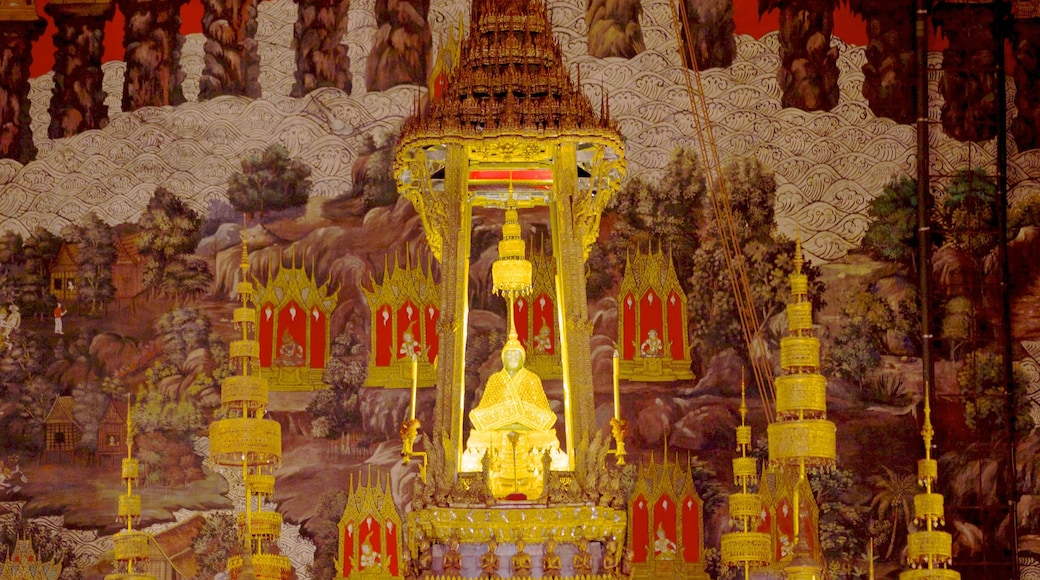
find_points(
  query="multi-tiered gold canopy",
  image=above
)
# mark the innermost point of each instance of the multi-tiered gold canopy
(929, 550)
(245, 438)
(744, 547)
(511, 130)
(131, 546)
(801, 437)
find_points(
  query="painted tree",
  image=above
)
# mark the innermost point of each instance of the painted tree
(767, 256)
(324, 528)
(169, 233)
(269, 181)
(968, 214)
(217, 541)
(336, 411)
(894, 500)
(38, 252)
(892, 233)
(668, 210)
(10, 250)
(97, 253)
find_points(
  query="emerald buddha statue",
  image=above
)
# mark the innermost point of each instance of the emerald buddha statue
(514, 426)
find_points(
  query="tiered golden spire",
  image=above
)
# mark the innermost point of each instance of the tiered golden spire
(929, 550)
(131, 546)
(801, 437)
(510, 77)
(511, 273)
(744, 547)
(246, 439)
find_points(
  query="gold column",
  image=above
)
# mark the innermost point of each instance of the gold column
(449, 405)
(575, 328)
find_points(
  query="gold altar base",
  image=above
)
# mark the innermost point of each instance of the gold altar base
(514, 467)
(286, 379)
(669, 569)
(654, 369)
(399, 374)
(512, 521)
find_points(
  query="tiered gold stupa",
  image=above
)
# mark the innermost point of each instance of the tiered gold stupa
(745, 547)
(245, 438)
(131, 546)
(801, 437)
(510, 130)
(929, 550)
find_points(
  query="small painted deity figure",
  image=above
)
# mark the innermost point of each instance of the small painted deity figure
(542, 342)
(652, 346)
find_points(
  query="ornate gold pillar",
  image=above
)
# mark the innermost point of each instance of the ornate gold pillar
(568, 230)
(455, 213)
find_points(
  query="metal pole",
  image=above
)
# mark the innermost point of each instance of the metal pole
(1000, 33)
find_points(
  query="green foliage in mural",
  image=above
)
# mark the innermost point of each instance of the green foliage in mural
(844, 525)
(96, 241)
(894, 501)
(269, 181)
(169, 233)
(47, 543)
(968, 214)
(38, 252)
(336, 410)
(668, 211)
(981, 382)
(375, 183)
(892, 233)
(324, 531)
(217, 541)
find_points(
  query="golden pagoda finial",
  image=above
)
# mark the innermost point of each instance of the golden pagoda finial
(929, 550)
(799, 260)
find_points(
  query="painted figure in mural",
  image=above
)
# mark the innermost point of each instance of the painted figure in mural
(542, 341)
(59, 311)
(452, 561)
(513, 395)
(652, 346)
(290, 354)
(409, 346)
(369, 557)
(9, 322)
(583, 559)
(663, 546)
(551, 561)
(489, 560)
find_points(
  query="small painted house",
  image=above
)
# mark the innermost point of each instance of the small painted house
(62, 431)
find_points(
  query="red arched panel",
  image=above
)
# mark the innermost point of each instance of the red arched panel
(318, 324)
(675, 326)
(370, 553)
(432, 340)
(391, 548)
(408, 324)
(348, 547)
(628, 339)
(544, 341)
(691, 530)
(664, 526)
(641, 529)
(384, 336)
(292, 336)
(521, 308)
(264, 334)
(650, 319)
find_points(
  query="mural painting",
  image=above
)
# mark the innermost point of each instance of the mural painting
(191, 188)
